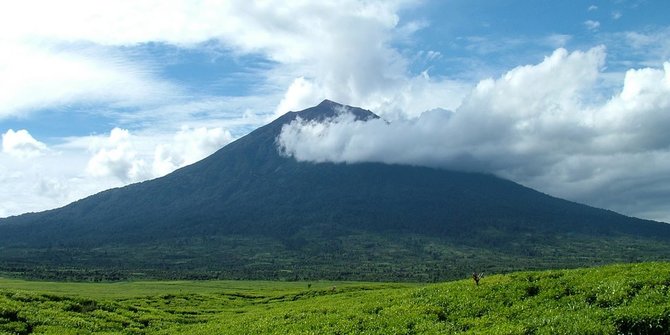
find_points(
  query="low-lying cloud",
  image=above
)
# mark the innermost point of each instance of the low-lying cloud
(117, 157)
(188, 146)
(131, 158)
(544, 125)
(37, 176)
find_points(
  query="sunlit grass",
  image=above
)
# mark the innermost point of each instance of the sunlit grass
(618, 299)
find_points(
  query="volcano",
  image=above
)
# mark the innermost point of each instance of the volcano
(249, 212)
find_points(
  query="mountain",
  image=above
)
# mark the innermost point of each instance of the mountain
(247, 211)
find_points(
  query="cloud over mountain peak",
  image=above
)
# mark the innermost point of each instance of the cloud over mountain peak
(528, 125)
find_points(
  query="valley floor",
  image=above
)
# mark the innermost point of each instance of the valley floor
(617, 299)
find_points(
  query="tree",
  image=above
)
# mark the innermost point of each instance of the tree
(477, 277)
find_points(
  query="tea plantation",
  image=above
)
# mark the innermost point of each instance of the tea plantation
(617, 299)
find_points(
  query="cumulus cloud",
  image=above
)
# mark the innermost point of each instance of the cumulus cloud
(340, 50)
(21, 144)
(81, 166)
(536, 124)
(516, 111)
(52, 179)
(131, 158)
(188, 146)
(116, 156)
(300, 93)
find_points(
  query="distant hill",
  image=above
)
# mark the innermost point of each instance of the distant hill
(248, 212)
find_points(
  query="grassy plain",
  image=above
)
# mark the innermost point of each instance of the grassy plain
(617, 299)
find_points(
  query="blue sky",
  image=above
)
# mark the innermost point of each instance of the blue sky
(101, 94)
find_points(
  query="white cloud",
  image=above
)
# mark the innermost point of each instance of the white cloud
(557, 40)
(300, 94)
(592, 8)
(536, 124)
(116, 22)
(39, 76)
(338, 49)
(82, 166)
(271, 28)
(49, 180)
(637, 118)
(188, 146)
(116, 156)
(527, 103)
(21, 144)
(431, 55)
(53, 55)
(616, 15)
(131, 158)
(653, 46)
(592, 24)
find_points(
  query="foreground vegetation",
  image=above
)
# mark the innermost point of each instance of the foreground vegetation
(618, 299)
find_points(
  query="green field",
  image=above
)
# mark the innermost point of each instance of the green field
(618, 299)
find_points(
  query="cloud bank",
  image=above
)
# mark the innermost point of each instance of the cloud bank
(40, 177)
(541, 125)
(132, 158)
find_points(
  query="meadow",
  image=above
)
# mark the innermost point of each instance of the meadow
(615, 299)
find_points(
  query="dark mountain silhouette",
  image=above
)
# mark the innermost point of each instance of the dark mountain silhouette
(249, 212)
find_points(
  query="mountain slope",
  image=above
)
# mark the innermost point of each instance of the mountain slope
(255, 213)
